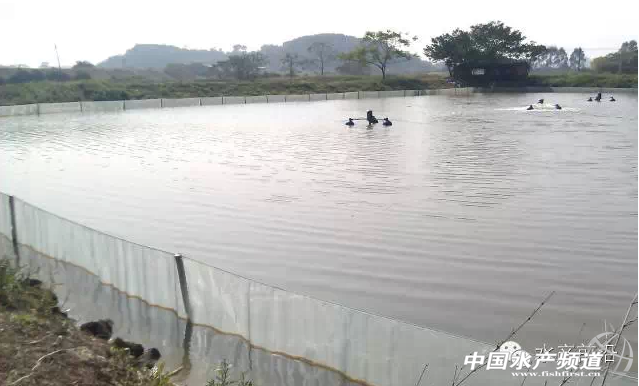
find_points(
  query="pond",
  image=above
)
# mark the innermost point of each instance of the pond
(460, 217)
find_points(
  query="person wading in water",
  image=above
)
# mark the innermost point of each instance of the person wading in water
(370, 117)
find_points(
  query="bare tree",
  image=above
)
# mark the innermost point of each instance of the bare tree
(323, 52)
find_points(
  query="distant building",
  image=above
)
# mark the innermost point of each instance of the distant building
(488, 73)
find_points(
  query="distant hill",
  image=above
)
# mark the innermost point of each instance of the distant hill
(340, 43)
(157, 56)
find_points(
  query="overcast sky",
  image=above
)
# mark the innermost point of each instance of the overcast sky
(93, 31)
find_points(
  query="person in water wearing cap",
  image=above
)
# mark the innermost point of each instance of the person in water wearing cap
(557, 106)
(612, 99)
(598, 97)
(530, 107)
(350, 122)
(589, 99)
(387, 122)
(541, 101)
(370, 117)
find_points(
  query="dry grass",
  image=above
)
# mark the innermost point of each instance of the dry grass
(39, 346)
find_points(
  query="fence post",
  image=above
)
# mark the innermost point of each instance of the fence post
(14, 230)
(184, 289)
(188, 331)
(161, 102)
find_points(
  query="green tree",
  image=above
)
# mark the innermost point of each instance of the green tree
(380, 48)
(243, 66)
(323, 52)
(490, 42)
(82, 64)
(577, 59)
(624, 61)
(82, 75)
(26, 76)
(290, 62)
(452, 48)
(239, 48)
(55, 74)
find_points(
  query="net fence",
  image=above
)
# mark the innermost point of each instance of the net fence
(133, 104)
(157, 296)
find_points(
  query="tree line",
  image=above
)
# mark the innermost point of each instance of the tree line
(80, 71)
(491, 42)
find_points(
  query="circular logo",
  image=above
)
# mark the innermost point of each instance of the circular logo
(514, 351)
(510, 347)
(622, 356)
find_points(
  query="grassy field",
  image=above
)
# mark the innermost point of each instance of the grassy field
(583, 79)
(140, 88)
(99, 90)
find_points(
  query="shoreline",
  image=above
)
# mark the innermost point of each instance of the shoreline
(161, 103)
(94, 90)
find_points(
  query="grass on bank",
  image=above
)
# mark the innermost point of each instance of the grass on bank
(41, 346)
(136, 88)
(584, 79)
(102, 90)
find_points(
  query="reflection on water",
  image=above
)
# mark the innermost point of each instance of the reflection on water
(459, 217)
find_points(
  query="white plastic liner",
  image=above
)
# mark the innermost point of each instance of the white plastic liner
(133, 104)
(138, 271)
(218, 299)
(232, 100)
(256, 99)
(103, 106)
(378, 350)
(318, 97)
(181, 102)
(276, 98)
(5, 217)
(297, 98)
(6, 249)
(451, 91)
(211, 101)
(368, 94)
(335, 96)
(7, 111)
(52, 108)
(99, 276)
(86, 299)
(391, 94)
(351, 95)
